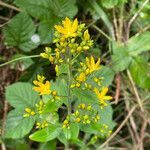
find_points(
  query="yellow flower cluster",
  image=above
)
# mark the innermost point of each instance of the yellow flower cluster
(66, 123)
(38, 109)
(86, 69)
(70, 38)
(44, 88)
(105, 131)
(102, 96)
(29, 112)
(85, 114)
(40, 86)
(41, 125)
(40, 106)
(69, 29)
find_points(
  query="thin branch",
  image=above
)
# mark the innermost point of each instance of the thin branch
(135, 90)
(118, 129)
(4, 122)
(10, 6)
(118, 79)
(134, 17)
(103, 33)
(115, 24)
(17, 59)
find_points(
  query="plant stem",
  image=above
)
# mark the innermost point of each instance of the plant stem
(103, 33)
(135, 90)
(69, 83)
(20, 58)
(17, 59)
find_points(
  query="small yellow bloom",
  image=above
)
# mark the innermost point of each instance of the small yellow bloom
(78, 84)
(72, 85)
(86, 35)
(40, 78)
(102, 95)
(44, 55)
(41, 87)
(81, 77)
(91, 65)
(85, 117)
(78, 120)
(89, 107)
(28, 110)
(54, 93)
(68, 29)
(82, 106)
(32, 113)
(51, 59)
(56, 69)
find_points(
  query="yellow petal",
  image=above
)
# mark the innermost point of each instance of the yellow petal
(86, 35)
(107, 97)
(104, 91)
(75, 25)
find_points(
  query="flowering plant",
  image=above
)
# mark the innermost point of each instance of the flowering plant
(76, 101)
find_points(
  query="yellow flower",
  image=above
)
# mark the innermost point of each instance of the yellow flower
(86, 35)
(40, 86)
(102, 95)
(68, 29)
(81, 77)
(92, 66)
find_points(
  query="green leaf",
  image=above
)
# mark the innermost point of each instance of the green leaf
(99, 127)
(48, 145)
(46, 134)
(45, 30)
(140, 72)
(109, 3)
(72, 132)
(120, 59)
(74, 128)
(106, 73)
(61, 137)
(84, 95)
(60, 86)
(139, 43)
(16, 144)
(106, 115)
(20, 33)
(21, 95)
(17, 126)
(48, 9)
(52, 106)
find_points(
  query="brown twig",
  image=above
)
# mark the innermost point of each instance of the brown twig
(115, 23)
(10, 6)
(118, 78)
(4, 122)
(135, 90)
(142, 135)
(118, 129)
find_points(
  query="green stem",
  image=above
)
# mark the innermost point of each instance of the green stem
(69, 83)
(17, 59)
(20, 58)
(103, 33)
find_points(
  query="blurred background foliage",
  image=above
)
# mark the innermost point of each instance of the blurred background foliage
(120, 29)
